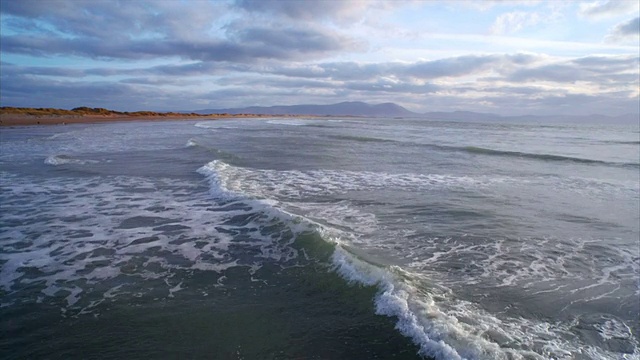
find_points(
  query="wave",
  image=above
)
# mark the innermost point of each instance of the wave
(546, 157)
(207, 125)
(221, 154)
(443, 326)
(534, 156)
(361, 138)
(633, 142)
(191, 143)
(288, 122)
(56, 160)
(296, 184)
(214, 125)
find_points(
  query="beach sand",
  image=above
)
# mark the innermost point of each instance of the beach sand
(27, 120)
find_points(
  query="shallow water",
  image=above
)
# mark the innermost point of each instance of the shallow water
(320, 238)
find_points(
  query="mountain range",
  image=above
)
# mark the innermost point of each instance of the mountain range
(348, 108)
(357, 108)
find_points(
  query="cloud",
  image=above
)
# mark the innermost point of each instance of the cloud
(307, 39)
(283, 44)
(489, 4)
(625, 30)
(387, 86)
(600, 70)
(515, 21)
(553, 73)
(606, 9)
(182, 55)
(536, 81)
(97, 19)
(453, 67)
(144, 30)
(313, 11)
(33, 92)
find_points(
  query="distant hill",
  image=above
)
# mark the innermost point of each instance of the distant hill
(349, 108)
(358, 108)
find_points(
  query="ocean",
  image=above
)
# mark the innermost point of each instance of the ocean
(320, 238)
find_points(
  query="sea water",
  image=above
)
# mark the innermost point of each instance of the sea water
(320, 239)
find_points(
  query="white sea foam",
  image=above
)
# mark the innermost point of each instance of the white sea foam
(75, 239)
(56, 160)
(292, 122)
(295, 184)
(218, 124)
(206, 125)
(116, 242)
(443, 326)
(192, 143)
(548, 262)
(448, 328)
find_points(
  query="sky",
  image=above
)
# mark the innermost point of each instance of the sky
(504, 57)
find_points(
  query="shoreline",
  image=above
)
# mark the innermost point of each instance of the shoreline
(35, 120)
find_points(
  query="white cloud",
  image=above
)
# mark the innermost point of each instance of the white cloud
(515, 21)
(606, 9)
(490, 4)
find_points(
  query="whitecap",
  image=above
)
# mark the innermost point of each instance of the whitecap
(56, 160)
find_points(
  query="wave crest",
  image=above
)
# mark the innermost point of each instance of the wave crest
(56, 160)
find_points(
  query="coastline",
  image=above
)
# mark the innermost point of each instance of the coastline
(36, 120)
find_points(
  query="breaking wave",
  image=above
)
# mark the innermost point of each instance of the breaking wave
(543, 157)
(443, 326)
(56, 160)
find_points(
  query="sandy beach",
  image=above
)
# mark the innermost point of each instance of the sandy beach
(28, 120)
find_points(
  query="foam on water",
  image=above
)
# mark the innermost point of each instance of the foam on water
(87, 240)
(192, 143)
(207, 125)
(292, 122)
(443, 325)
(450, 328)
(549, 264)
(295, 184)
(56, 160)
